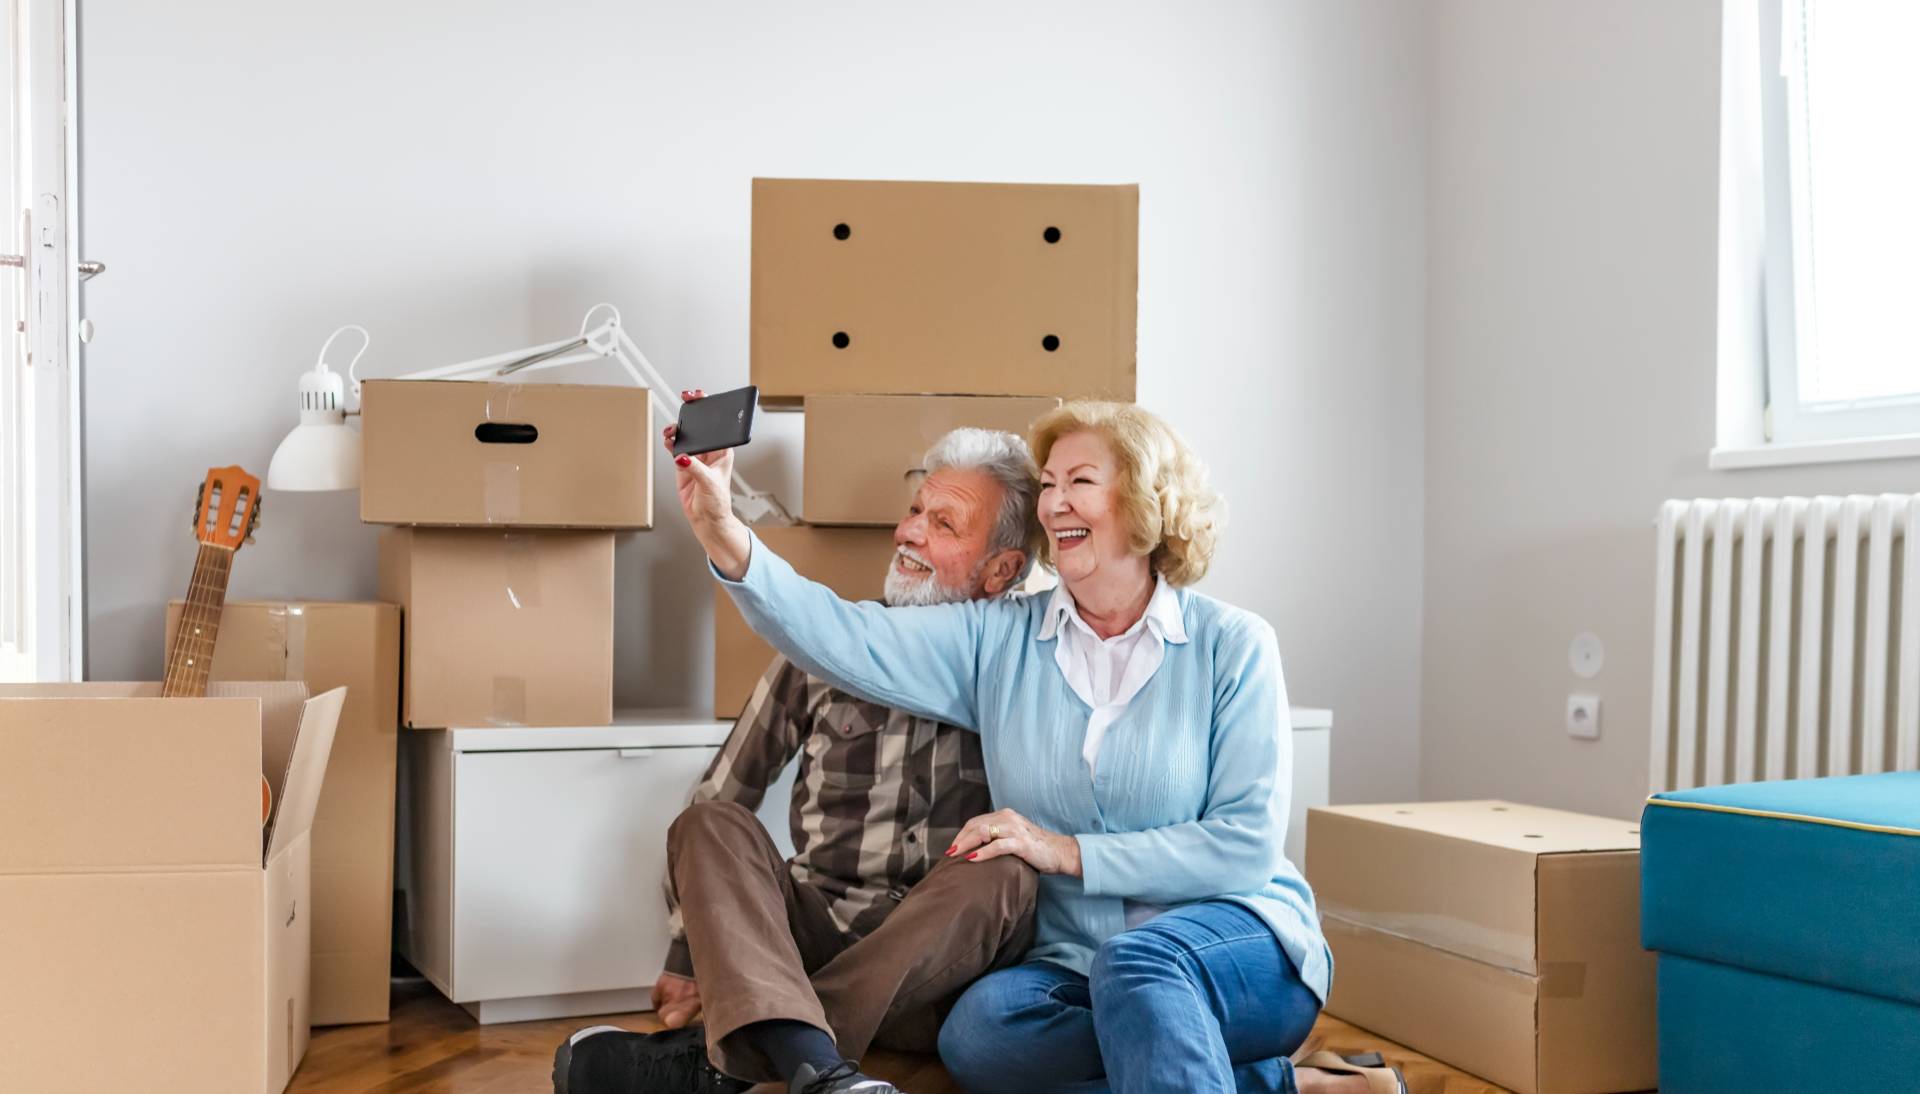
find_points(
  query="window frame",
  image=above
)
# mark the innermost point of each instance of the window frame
(1789, 421)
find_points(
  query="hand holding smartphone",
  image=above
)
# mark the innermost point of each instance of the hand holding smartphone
(715, 422)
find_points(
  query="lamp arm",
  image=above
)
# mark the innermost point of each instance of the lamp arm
(496, 362)
(754, 506)
(609, 340)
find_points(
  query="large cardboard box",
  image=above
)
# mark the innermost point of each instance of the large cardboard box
(329, 645)
(507, 455)
(861, 449)
(941, 288)
(1503, 939)
(146, 943)
(502, 628)
(850, 561)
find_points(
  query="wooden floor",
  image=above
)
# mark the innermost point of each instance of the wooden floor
(434, 1047)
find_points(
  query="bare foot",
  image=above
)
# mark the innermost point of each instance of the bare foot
(1312, 1080)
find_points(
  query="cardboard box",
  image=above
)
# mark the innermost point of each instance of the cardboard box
(502, 628)
(145, 941)
(939, 288)
(850, 561)
(470, 453)
(861, 449)
(1503, 939)
(329, 645)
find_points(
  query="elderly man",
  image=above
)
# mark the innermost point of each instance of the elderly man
(868, 934)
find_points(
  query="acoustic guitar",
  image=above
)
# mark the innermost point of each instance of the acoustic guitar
(225, 516)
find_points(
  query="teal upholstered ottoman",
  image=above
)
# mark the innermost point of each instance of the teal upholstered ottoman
(1786, 916)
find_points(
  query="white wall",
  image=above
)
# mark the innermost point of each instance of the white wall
(466, 177)
(1571, 308)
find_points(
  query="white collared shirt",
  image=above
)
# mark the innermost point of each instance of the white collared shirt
(1106, 673)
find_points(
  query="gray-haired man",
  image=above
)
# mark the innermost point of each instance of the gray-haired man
(867, 935)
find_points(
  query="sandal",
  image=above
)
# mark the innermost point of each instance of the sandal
(1381, 1079)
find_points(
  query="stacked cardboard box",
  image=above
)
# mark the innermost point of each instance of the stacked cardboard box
(508, 496)
(1503, 939)
(329, 645)
(894, 312)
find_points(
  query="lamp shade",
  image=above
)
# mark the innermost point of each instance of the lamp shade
(322, 452)
(321, 455)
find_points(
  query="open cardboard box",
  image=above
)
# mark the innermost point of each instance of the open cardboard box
(146, 942)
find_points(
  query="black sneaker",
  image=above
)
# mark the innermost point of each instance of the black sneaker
(842, 1078)
(611, 1060)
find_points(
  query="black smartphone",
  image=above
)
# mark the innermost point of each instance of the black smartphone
(715, 422)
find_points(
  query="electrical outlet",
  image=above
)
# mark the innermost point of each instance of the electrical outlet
(1583, 717)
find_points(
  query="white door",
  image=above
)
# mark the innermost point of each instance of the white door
(40, 510)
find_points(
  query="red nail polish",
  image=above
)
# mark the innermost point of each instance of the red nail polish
(682, 461)
(973, 856)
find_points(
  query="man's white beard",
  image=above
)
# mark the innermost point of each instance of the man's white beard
(907, 591)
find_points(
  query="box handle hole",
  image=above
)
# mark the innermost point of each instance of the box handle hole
(840, 339)
(1051, 235)
(841, 231)
(1050, 343)
(505, 433)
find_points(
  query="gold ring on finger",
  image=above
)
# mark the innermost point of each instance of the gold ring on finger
(993, 832)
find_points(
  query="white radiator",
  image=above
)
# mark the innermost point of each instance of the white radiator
(1786, 639)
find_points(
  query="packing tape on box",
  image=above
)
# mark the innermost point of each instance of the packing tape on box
(500, 493)
(522, 570)
(287, 630)
(500, 490)
(509, 701)
(1510, 950)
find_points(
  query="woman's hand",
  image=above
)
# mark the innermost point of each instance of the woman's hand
(704, 483)
(992, 835)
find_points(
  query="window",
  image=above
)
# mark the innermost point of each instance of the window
(1841, 171)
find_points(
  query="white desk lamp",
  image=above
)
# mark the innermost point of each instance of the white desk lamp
(323, 453)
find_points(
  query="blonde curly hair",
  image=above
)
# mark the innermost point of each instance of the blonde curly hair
(1170, 512)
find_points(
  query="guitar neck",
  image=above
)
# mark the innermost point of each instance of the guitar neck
(190, 657)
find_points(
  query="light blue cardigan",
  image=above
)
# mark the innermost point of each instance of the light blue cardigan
(1189, 797)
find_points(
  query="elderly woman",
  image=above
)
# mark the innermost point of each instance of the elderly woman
(1136, 739)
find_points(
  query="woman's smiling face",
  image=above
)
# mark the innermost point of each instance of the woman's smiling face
(1079, 506)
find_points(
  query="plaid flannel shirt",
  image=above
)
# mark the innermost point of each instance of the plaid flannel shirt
(879, 797)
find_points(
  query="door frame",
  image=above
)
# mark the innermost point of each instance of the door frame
(49, 642)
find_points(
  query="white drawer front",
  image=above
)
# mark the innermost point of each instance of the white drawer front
(558, 865)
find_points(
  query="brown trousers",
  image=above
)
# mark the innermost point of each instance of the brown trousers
(765, 947)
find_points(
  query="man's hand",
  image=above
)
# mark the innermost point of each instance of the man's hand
(1006, 832)
(676, 999)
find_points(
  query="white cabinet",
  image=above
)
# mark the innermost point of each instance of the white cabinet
(534, 860)
(1312, 769)
(531, 860)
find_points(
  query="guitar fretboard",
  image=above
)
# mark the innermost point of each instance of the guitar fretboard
(190, 657)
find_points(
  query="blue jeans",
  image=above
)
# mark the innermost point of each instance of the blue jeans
(1200, 999)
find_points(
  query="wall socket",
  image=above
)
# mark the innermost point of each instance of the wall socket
(1583, 717)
